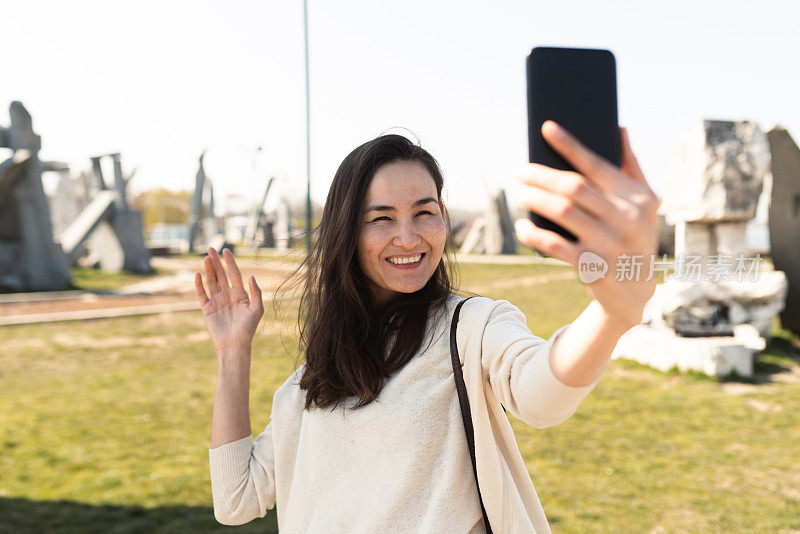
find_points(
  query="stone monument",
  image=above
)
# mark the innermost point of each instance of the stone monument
(714, 313)
(270, 229)
(784, 219)
(493, 232)
(205, 229)
(107, 225)
(30, 260)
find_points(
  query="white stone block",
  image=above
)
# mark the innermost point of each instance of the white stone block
(661, 348)
(693, 239)
(731, 238)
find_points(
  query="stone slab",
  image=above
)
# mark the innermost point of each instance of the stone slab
(784, 219)
(662, 349)
(87, 221)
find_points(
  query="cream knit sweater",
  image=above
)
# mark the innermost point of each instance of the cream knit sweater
(401, 464)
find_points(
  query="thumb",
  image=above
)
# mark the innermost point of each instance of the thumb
(256, 303)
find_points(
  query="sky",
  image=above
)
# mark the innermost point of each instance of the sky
(161, 81)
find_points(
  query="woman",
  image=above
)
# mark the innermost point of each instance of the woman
(367, 435)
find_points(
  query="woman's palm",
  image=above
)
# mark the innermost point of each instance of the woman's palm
(229, 319)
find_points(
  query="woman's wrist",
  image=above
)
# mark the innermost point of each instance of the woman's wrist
(614, 322)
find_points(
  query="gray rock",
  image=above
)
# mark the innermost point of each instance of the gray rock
(784, 219)
(493, 232)
(29, 258)
(716, 175)
(203, 224)
(21, 135)
(717, 307)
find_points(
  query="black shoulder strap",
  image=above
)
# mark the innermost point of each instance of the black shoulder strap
(466, 415)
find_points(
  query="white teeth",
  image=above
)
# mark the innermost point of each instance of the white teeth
(400, 261)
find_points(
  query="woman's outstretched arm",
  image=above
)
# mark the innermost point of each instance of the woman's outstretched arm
(584, 348)
(519, 369)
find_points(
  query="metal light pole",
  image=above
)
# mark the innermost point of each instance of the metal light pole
(308, 133)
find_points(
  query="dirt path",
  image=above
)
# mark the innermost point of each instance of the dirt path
(171, 292)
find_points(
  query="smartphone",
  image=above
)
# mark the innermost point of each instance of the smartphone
(577, 88)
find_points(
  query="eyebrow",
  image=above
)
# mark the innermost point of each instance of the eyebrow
(419, 202)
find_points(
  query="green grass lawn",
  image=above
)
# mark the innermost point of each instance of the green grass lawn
(96, 280)
(106, 424)
(89, 279)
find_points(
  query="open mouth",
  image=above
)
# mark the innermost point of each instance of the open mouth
(408, 262)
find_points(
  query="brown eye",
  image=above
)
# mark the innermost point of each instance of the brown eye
(381, 218)
(425, 212)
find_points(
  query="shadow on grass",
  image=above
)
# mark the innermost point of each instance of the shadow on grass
(784, 346)
(22, 516)
(781, 354)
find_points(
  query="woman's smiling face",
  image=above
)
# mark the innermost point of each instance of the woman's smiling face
(402, 232)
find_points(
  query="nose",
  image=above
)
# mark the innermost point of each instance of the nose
(406, 236)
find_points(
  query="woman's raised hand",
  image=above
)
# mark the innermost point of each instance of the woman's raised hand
(231, 314)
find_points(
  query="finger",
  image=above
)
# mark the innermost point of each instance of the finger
(201, 291)
(546, 242)
(256, 302)
(630, 165)
(233, 269)
(585, 161)
(222, 280)
(211, 276)
(569, 184)
(591, 231)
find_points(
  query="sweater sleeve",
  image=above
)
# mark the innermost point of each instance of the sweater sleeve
(243, 478)
(517, 364)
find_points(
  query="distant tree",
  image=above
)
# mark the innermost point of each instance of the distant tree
(163, 206)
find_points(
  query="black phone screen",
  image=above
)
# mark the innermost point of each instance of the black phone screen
(577, 88)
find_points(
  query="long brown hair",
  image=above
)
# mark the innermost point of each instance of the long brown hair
(352, 345)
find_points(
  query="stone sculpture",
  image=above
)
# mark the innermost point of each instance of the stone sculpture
(30, 260)
(784, 219)
(107, 225)
(493, 232)
(205, 229)
(270, 229)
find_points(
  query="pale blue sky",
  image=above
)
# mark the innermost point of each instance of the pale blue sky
(160, 81)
